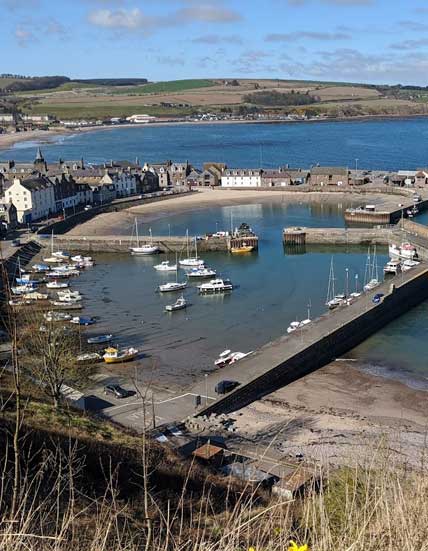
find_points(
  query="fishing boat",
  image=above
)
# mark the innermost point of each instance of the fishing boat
(215, 286)
(100, 339)
(409, 264)
(165, 266)
(201, 272)
(371, 274)
(116, 355)
(242, 249)
(227, 357)
(88, 358)
(81, 320)
(392, 267)
(405, 251)
(179, 304)
(144, 249)
(191, 261)
(55, 284)
(57, 316)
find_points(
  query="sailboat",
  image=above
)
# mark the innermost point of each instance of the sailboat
(55, 257)
(173, 285)
(165, 266)
(24, 278)
(191, 261)
(144, 249)
(371, 272)
(333, 300)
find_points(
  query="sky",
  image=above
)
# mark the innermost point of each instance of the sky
(378, 41)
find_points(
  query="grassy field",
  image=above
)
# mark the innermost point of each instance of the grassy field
(82, 110)
(167, 87)
(4, 82)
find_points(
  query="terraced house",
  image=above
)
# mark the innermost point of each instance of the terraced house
(33, 197)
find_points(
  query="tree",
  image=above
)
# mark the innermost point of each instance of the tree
(49, 355)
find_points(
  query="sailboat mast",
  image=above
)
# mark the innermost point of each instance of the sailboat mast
(136, 233)
(375, 269)
(367, 274)
(196, 248)
(187, 243)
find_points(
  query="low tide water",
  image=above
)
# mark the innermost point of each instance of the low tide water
(273, 288)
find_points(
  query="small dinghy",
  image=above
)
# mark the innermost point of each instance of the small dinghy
(88, 358)
(100, 339)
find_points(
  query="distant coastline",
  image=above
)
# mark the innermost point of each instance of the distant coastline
(9, 140)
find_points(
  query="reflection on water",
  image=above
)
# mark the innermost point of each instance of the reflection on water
(273, 288)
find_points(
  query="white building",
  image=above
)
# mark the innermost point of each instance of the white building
(33, 198)
(237, 177)
(6, 117)
(140, 119)
(125, 183)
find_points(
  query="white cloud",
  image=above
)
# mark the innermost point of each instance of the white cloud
(24, 36)
(306, 35)
(118, 19)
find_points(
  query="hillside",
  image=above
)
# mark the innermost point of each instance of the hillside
(95, 99)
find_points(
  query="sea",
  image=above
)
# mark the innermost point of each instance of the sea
(274, 286)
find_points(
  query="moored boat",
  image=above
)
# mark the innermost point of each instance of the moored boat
(165, 266)
(409, 264)
(57, 316)
(56, 284)
(88, 358)
(215, 286)
(201, 272)
(191, 261)
(227, 357)
(81, 320)
(100, 339)
(146, 249)
(392, 267)
(172, 286)
(116, 355)
(242, 249)
(179, 304)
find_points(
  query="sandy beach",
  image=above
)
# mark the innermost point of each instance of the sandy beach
(108, 223)
(336, 415)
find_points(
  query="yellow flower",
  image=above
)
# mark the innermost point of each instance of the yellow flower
(251, 549)
(295, 547)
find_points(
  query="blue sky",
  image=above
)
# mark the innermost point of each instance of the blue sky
(342, 40)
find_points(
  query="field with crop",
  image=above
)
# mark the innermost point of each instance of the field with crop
(167, 87)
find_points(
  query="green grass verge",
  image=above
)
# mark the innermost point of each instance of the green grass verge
(168, 86)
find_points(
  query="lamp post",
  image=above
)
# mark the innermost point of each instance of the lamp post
(206, 389)
(356, 164)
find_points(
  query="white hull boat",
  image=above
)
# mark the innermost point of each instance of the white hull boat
(392, 267)
(372, 284)
(179, 304)
(192, 261)
(172, 286)
(165, 266)
(215, 286)
(143, 250)
(228, 357)
(201, 273)
(409, 264)
(56, 284)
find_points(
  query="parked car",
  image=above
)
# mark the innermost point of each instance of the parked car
(116, 390)
(16, 243)
(223, 387)
(376, 299)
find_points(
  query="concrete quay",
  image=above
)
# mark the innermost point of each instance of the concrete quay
(122, 244)
(338, 236)
(388, 212)
(293, 356)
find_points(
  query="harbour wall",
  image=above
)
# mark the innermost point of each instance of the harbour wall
(291, 357)
(115, 244)
(337, 236)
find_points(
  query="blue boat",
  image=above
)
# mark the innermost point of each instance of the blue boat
(80, 320)
(41, 268)
(100, 339)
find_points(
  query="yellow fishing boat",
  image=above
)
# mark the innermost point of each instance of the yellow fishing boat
(244, 248)
(115, 355)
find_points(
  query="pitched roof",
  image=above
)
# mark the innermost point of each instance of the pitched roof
(33, 184)
(333, 170)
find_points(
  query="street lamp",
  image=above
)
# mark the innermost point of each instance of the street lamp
(206, 389)
(356, 164)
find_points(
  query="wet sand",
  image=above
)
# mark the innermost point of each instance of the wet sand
(107, 223)
(339, 414)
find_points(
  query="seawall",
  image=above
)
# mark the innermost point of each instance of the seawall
(333, 334)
